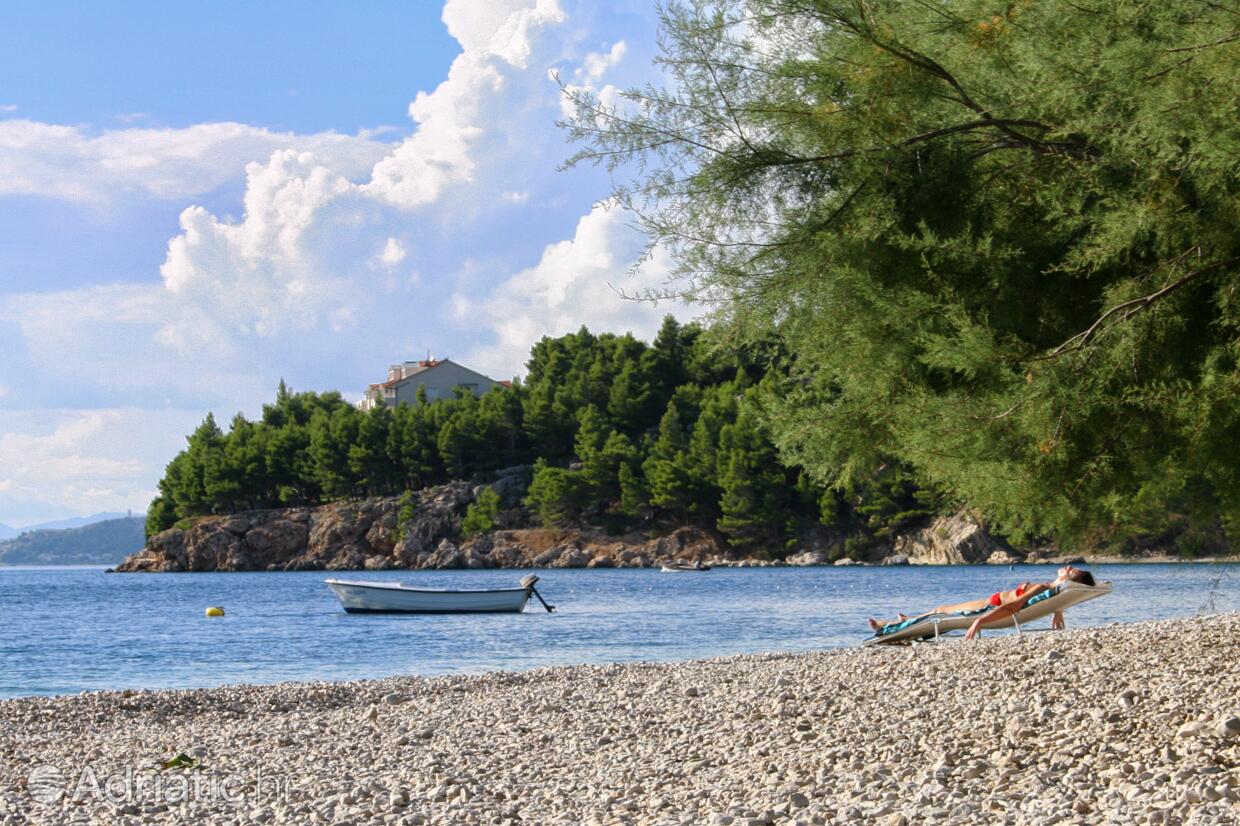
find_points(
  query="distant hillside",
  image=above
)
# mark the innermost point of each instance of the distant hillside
(100, 543)
(9, 532)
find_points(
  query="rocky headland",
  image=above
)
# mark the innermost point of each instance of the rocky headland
(384, 533)
(425, 532)
(1120, 724)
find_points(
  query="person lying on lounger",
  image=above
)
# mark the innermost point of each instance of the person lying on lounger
(1003, 604)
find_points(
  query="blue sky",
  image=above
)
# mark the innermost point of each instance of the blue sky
(197, 200)
(289, 66)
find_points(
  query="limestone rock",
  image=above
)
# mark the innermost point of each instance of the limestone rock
(350, 535)
(277, 539)
(808, 558)
(952, 540)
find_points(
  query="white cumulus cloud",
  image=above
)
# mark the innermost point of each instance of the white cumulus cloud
(260, 274)
(56, 463)
(587, 279)
(596, 64)
(285, 264)
(317, 277)
(392, 254)
(586, 78)
(469, 107)
(70, 163)
(506, 29)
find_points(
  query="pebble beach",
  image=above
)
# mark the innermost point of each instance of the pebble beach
(1133, 723)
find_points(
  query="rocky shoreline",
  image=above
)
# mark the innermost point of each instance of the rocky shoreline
(1119, 724)
(384, 533)
(426, 533)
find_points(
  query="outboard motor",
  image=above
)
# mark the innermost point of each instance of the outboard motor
(528, 584)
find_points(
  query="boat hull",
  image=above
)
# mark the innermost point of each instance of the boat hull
(392, 598)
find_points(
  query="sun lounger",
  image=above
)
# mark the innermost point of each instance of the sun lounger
(1042, 605)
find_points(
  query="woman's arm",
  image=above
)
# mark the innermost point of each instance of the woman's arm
(1005, 610)
(1057, 622)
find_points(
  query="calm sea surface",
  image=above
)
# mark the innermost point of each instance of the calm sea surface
(65, 630)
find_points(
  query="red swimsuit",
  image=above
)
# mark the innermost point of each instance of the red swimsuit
(996, 599)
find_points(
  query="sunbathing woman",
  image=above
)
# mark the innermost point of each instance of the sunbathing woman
(1004, 603)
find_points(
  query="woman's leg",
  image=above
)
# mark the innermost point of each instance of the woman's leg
(971, 605)
(900, 617)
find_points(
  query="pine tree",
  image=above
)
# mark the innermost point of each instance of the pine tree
(459, 442)
(592, 432)
(634, 491)
(717, 411)
(752, 481)
(331, 437)
(666, 469)
(556, 494)
(368, 455)
(204, 449)
(160, 516)
(546, 420)
(235, 477)
(628, 400)
(289, 467)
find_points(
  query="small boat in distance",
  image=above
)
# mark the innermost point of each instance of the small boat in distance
(358, 597)
(682, 567)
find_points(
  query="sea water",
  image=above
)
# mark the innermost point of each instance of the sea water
(65, 630)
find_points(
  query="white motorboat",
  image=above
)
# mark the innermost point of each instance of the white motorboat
(682, 567)
(358, 597)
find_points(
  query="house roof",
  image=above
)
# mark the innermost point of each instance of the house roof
(425, 366)
(422, 367)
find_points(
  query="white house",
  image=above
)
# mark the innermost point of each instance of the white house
(439, 377)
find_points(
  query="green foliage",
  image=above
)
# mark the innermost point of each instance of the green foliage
(634, 492)
(160, 516)
(998, 242)
(753, 506)
(621, 434)
(667, 467)
(482, 512)
(556, 495)
(406, 507)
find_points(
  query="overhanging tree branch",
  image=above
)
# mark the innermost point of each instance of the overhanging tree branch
(1125, 310)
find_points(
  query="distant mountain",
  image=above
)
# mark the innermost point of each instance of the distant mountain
(98, 543)
(74, 522)
(9, 532)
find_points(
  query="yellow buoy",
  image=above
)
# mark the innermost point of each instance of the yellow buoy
(215, 611)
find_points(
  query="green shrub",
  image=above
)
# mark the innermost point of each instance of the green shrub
(480, 517)
(556, 494)
(407, 505)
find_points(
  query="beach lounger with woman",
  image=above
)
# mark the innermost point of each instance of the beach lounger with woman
(1000, 608)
